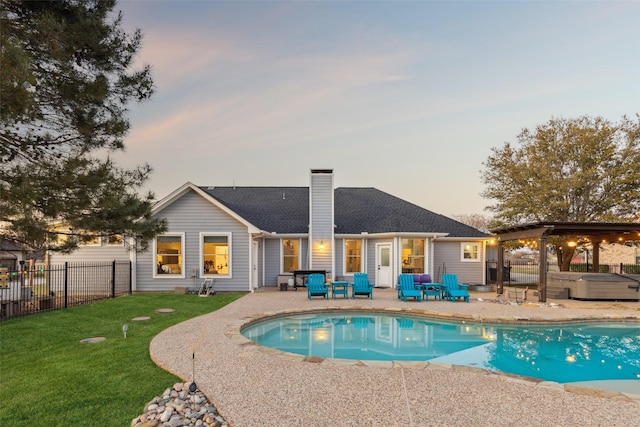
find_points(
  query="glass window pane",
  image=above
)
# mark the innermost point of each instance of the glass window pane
(413, 255)
(115, 239)
(353, 256)
(290, 255)
(215, 255)
(470, 252)
(169, 254)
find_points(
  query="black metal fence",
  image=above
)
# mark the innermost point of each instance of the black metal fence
(46, 288)
(607, 268)
(527, 273)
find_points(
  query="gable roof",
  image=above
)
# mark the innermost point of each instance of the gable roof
(285, 210)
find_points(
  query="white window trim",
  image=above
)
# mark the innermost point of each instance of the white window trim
(477, 245)
(344, 258)
(282, 254)
(154, 265)
(200, 254)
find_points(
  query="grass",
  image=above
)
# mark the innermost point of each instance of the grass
(47, 377)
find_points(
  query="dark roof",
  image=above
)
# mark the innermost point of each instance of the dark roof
(286, 210)
(9, 246)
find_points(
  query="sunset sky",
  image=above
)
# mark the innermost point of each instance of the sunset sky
(407, 97)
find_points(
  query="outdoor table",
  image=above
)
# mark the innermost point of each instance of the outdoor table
(340, 288)
(437, 292)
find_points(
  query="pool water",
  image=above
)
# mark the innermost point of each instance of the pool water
(560, 352)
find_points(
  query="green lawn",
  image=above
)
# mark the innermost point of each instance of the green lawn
(47, 377)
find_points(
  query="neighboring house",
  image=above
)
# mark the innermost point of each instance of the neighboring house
(10, 255)
(614, 253)
(246, 237)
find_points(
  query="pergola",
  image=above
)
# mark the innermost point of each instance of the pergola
(595, 232)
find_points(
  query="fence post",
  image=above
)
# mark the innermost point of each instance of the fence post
(66, 283)
(130, 277)
(113, 279)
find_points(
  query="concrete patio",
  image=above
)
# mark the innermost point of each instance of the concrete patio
(255, 386)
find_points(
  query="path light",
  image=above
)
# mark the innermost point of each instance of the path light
(192, 386)
(125, 328)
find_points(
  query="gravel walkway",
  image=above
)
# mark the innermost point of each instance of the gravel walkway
(255, 386)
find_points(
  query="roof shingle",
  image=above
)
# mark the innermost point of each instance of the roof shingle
(286, 210)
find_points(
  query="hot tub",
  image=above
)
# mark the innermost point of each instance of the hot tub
(595, 286)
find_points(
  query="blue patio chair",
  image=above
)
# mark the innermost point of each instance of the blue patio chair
(453, 290)
(361, 285)
(406, 288)
(316, 287)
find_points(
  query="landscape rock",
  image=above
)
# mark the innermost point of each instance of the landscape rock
(180, 407)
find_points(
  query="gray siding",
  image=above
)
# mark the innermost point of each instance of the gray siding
(192, 214)
(304, 257)
(272, 261)
(321, 214)
(447, 259)
(339, 261)
(101, 253)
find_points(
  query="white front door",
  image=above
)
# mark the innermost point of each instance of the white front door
(383, 264)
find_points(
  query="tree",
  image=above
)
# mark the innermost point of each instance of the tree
(476, 220)
(573, 170)
(65, 86)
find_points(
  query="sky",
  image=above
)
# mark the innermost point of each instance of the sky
(406, 97)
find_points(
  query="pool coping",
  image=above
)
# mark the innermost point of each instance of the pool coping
(233, 332)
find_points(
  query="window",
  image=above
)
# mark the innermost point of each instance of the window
(114, 240)
(169, 250)
(412, 255)
(89, 240)
(470, 252)
(216, 250)
(290, 255)
(353, 256)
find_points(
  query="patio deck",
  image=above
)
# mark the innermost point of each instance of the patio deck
(255, 386)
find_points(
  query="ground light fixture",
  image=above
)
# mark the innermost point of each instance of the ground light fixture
(193, 386)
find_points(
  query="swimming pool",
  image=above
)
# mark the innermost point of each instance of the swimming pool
(553, 352)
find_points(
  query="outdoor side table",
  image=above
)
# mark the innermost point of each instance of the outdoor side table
(340, 288)
(432, 289)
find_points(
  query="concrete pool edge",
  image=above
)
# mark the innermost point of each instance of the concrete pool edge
(234, 329)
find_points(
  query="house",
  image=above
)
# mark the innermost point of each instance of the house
(249, 237)
(12, 255)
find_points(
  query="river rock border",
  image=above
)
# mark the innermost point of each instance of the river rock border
(178, 406)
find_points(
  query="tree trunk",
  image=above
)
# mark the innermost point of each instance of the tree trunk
(565, 255)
